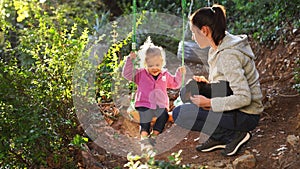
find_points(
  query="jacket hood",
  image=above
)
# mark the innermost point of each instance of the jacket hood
(236, 42)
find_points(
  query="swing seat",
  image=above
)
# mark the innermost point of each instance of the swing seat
(135, 116)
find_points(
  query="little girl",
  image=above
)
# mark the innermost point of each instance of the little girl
(151, 98)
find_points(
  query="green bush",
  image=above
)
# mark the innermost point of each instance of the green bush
(147, 160)
(40, 44)
(267, 21)
(38, 121)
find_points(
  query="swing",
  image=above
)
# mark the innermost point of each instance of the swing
(132, 112)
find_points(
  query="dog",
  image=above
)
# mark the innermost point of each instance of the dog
(209, 90)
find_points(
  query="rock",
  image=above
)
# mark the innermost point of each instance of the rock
(217, 164)
(220, 164)
(293, 140)
(245, 161)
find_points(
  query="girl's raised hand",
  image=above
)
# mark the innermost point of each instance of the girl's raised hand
(132, 55)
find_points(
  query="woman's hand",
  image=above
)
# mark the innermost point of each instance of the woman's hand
(201, 101)
(200, 79)
(132, 55)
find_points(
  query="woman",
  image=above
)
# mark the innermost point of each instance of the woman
(229, 119)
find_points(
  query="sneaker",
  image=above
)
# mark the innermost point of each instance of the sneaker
(233, 147)
(147, 144)
(210, 145)
(152, 141)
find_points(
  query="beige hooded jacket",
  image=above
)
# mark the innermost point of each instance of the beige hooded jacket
(233, 62)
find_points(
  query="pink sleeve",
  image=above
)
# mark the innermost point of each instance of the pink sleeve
(129, 72)
(174, 82)
(128, 69)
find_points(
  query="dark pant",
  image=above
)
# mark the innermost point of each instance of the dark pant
(220, 126)
(146, 116)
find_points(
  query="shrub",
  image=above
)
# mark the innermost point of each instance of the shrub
(266, 21)
(147, 160)
(38, 121)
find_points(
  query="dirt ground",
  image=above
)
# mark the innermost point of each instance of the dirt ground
(268, 142)
(280, 120)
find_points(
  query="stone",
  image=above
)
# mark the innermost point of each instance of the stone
(245, 161)
(293, 140)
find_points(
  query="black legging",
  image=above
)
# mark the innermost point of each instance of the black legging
(146, 116)
(221, 126)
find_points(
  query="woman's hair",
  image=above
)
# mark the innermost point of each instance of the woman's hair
(214, 17)
(148, 49)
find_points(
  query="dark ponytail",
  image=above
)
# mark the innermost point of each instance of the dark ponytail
(214, 17)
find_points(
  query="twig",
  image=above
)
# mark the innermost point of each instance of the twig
(276, 78)
(285, 95)
(106, 104)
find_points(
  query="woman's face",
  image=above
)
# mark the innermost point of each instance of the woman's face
(154, 64)
(199, 37)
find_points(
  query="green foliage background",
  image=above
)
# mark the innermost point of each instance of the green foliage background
(40, 42)
(40, 49)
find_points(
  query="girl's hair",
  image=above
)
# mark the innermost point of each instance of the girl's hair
(148, 49)
(214, 17)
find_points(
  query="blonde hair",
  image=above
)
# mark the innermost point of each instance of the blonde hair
(148, 49)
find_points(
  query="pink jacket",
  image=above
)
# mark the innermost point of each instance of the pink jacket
(150, 92)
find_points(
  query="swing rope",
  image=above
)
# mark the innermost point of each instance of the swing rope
(183, 4)
(184, 29)
(134, 49)
(133, 43)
